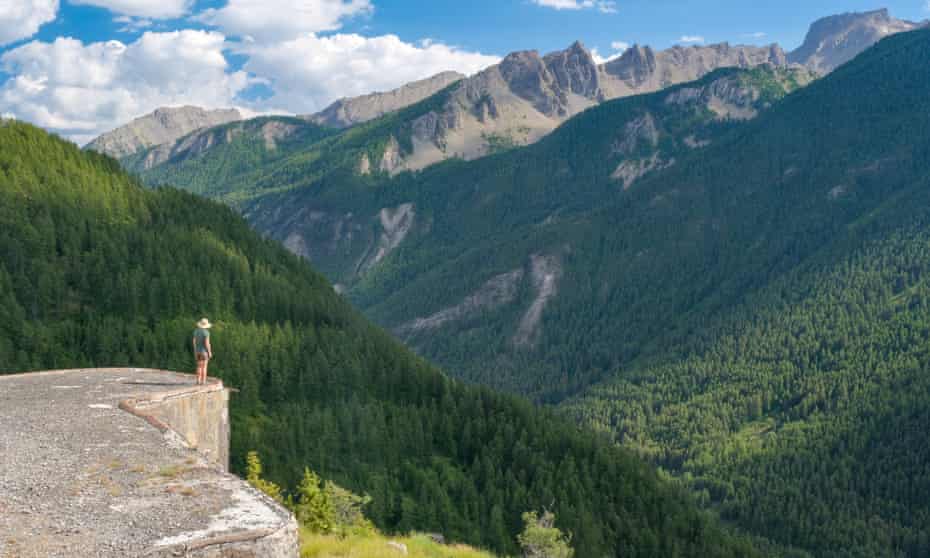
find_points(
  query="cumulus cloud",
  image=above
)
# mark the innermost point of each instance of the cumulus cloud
(603, 6)
(308, 73)
(80, 90)
(691, 39)
(20, 19)
(281, 20)
(158, 9)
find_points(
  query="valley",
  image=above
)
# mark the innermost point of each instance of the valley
(662, 302)
(610, 268)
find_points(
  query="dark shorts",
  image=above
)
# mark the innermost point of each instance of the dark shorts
(203, 355)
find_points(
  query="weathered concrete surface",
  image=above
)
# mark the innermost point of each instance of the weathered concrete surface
(81, 476)
(200, 416)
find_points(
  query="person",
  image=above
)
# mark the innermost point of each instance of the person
(203, 352)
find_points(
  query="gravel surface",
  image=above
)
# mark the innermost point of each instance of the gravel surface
(81, 478)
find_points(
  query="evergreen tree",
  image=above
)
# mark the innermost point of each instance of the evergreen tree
(313, 508)
(542, 539)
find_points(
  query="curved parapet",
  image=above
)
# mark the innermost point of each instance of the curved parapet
(126, 462)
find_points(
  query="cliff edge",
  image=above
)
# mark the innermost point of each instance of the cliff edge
(126, 462)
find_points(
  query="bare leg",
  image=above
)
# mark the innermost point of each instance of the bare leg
(206, 363)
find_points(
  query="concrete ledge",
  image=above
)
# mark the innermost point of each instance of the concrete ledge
(198, 414)
(82, 475)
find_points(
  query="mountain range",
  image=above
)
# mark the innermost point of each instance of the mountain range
(726, 275)
(526, 96)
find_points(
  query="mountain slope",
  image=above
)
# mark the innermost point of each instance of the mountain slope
(95, 270)
(755, 313)
(527, 95)
(162, 126)
(401, 248)
(750, 311)
(356, 110)
(514, 103)
(835, 40)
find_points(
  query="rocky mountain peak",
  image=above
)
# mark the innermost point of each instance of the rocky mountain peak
(165, 124)
(634, 66)
(574, 70)
(835, 40)
(356, 110)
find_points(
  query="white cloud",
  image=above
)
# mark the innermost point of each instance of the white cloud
(756, 35)
(281, 20)
(309, 72)
(132, 24)
(617, 48)
(82, 90)
(158, 9)
(603, 6)
(20, 19)
(691, 39)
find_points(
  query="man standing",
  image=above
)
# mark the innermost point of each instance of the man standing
(203, 352)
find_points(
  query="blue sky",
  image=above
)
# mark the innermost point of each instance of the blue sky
(81, 66)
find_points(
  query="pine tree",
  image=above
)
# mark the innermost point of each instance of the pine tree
(313, 508)
(542, 539)
(254, 477)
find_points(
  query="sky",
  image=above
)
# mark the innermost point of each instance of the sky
(83, 67)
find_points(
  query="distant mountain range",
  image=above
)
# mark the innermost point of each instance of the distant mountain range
(527, 95)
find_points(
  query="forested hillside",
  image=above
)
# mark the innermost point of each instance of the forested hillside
(755, 310)
(463, 285)
(750, 309)
(97, 271)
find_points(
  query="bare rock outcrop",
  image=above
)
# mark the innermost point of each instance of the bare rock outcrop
(527, 96)
(162, 126)
(545, 272)
(835, 40)
(496, 292)
(643, 70)
(356, 110)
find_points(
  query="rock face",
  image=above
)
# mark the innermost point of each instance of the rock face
(348, 112)
(162, 126)
(526, 96)
(833, 41)
(642, 70)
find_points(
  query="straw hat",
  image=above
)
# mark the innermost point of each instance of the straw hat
(204, 324)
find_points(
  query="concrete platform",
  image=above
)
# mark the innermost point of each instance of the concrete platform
(100, 463)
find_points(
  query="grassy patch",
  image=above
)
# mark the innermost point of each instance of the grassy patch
(377, 546)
